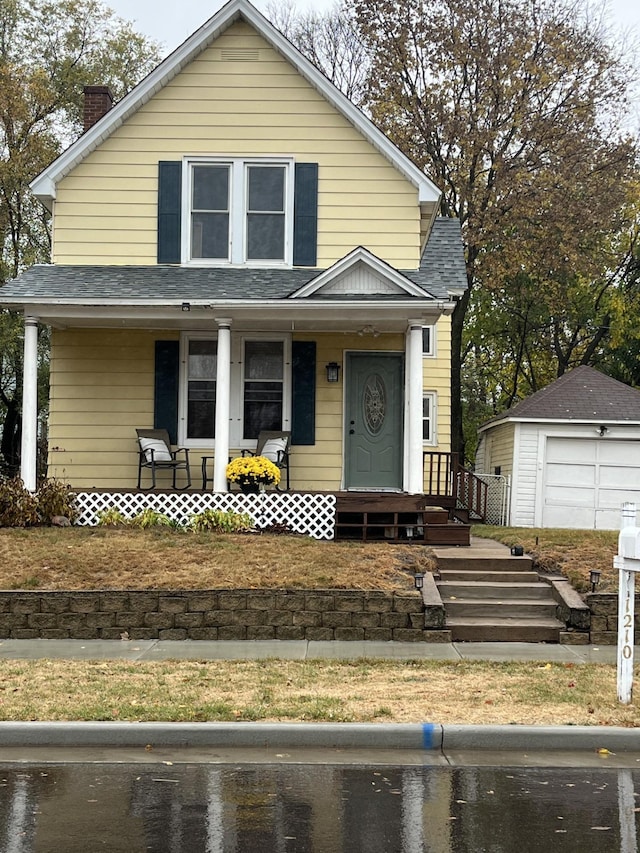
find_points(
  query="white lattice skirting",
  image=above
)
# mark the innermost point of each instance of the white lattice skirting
(310, 514)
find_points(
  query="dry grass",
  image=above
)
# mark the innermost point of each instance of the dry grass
(99, 558)
(465, 692)
(572, 552)
(394, 691)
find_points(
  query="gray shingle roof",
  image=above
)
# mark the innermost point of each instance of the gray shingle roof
(442, 261)
(582, 394)
(442, 268)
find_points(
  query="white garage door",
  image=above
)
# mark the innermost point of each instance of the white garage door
(587, 480)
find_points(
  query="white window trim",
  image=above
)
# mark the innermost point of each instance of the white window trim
(238, 192)
(432, 441)
(236, 406)
(237, 382)
(183, 385)
(432, 341)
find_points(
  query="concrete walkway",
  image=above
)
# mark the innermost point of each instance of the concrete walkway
(300, 650)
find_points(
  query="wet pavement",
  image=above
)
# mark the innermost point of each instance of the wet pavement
(323, 804)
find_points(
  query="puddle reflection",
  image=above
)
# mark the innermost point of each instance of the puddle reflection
(315, 809)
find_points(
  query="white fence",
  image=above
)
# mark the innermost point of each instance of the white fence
(310, 514)
(498, 498)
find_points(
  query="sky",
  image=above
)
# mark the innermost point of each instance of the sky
(171, 22)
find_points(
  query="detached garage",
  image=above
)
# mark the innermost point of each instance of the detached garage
(571, 452)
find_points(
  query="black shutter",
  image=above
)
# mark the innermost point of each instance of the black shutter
(169, 211)
(305, 215)
(303, 420)
(165, 398)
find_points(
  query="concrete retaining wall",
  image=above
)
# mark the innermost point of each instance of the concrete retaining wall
(244, 614)
(604, 618)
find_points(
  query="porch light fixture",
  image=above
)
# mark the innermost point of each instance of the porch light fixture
(602, 430)
(369, 330)
(186, 306)
(594, 579)
(418, 580)
(333, 371)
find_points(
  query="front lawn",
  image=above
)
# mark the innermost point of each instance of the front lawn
(99, 558)
(107, 558)
(572, 552)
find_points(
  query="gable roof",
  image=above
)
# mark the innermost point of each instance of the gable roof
(44, 186)
(383, 279)
(582, 394)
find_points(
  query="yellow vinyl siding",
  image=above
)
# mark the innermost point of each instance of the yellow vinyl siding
(101, 390)
(436, 372)
(105, 210)
(102, 386)
(319, 467)
(500, 445)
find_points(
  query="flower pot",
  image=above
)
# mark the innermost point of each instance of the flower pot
(249, 488)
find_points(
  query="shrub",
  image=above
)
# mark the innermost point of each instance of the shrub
(18, 506)
(56, 498)
(152, 518)
(111, 517)
(219, 521)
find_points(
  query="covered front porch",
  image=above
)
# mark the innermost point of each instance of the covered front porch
(215, 357)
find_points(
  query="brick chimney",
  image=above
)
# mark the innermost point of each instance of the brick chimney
(98, 100)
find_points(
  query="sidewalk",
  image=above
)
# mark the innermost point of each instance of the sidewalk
(300, 650)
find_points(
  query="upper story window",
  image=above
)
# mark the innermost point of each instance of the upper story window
(230, 210)
(239, 211)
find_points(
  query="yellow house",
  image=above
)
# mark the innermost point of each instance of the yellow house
(237, 248)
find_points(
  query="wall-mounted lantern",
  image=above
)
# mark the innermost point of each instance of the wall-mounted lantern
(333, 371)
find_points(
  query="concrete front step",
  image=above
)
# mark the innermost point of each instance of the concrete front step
(496, 563)
(505, 630)
(499, 609)
(490, 589)
(487, 576)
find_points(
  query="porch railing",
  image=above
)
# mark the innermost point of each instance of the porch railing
(446, 478)
(471, 494)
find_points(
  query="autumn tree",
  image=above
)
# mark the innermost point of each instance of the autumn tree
(49, 49)
(515, 109)
(330, 39)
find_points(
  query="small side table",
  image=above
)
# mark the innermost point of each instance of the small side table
(205, 478)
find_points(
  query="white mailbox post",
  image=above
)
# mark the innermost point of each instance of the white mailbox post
(627, 562)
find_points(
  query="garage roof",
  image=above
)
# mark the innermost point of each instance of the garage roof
(582, 394)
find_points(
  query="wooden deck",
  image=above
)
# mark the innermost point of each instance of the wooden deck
(397, 517)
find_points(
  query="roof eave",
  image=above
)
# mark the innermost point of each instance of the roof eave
(595, 421)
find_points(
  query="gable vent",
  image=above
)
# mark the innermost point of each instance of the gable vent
(240, 54)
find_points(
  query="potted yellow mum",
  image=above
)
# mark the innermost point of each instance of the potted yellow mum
(252, 472)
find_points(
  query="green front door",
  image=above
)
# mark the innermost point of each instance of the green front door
(374, 418)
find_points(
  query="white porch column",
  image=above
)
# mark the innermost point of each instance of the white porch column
(223, 399)
(29, 450)
(414, 482)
